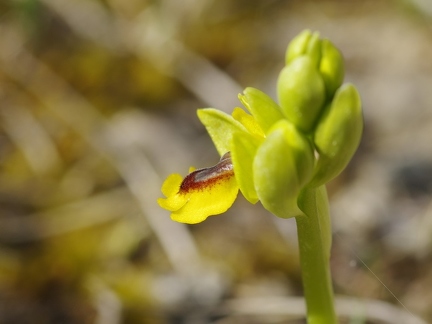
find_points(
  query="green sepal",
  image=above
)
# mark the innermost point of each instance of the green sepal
(298, 46)
(265, 111)
(301, 92)
(220, 127)
(243, 150)
(277, 170)
(337, 135)
(331, 67)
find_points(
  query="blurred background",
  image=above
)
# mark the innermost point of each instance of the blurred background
(98, 104)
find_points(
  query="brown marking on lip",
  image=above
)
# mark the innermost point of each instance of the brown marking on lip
(207, 177)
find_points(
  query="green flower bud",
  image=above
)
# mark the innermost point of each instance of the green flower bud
(323, 53)
(298, 46)
(338, 134)
(301, 92)
(331, 67)
(313, 49)
(282, 165)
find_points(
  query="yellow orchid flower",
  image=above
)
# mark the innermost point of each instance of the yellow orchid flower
(238, 137)
(271, 152)
(202, 193)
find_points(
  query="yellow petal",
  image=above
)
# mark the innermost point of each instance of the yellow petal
(172, 203)
(170, 188)
(213, 198)
(202, 193)
(172, 184)
(248, 122)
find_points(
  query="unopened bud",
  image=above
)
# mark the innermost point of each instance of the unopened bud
(301, 92)
(338, 134)
(331, 67)
(282, 165)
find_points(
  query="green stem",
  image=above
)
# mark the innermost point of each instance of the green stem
(314, 236)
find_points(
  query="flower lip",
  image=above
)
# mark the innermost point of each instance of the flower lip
(206, 177)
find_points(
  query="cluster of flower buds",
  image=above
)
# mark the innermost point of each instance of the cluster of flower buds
(312, 97)
(277, 150)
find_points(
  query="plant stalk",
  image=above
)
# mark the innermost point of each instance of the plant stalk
(314, 237)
